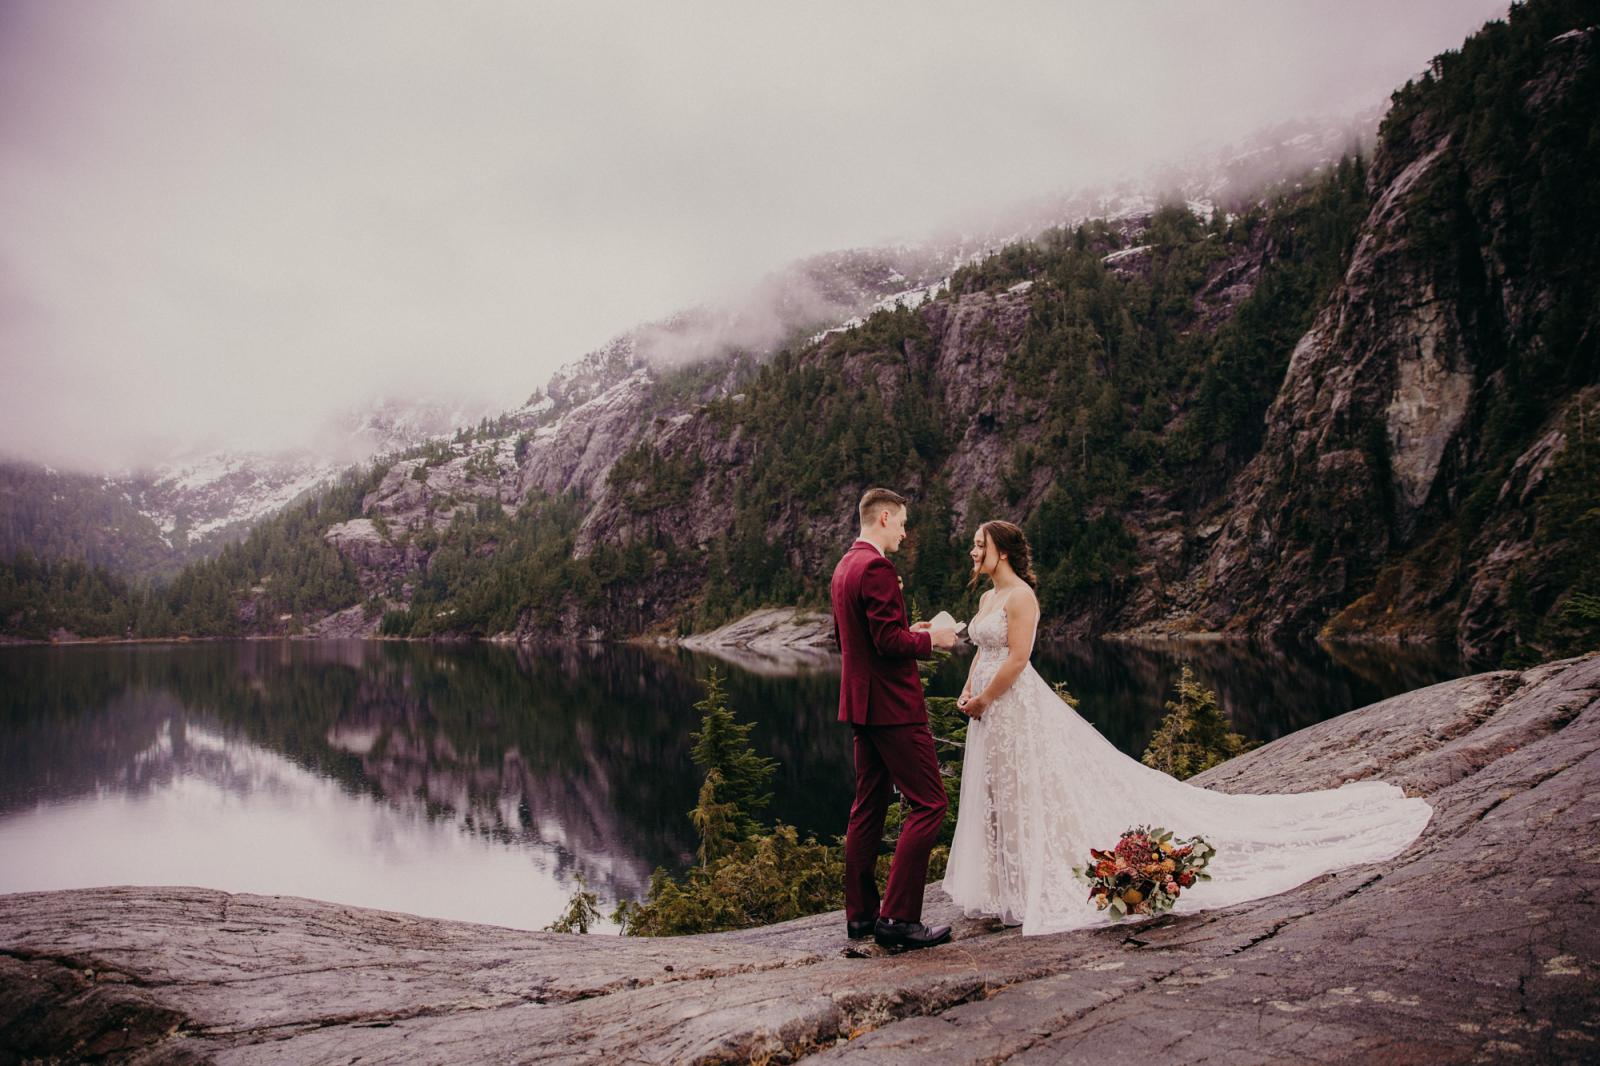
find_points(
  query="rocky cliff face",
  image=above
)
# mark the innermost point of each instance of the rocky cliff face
(1386, 356)
(1352, 508)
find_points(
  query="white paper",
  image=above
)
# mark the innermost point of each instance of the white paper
(943, 620)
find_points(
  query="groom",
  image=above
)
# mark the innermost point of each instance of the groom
(880, 695)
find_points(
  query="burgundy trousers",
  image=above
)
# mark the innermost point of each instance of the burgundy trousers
(902, 756)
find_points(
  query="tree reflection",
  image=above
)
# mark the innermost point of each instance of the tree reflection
(580, 751)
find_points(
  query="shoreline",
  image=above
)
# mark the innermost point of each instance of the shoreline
(769, 630)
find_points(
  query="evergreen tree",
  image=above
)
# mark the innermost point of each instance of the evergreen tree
(716, 823)
(583, 911)
(1194, 735)
(722, 749)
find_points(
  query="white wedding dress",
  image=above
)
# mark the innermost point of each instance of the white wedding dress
(1040, 786)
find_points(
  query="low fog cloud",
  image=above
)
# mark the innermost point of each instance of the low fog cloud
(222, 223)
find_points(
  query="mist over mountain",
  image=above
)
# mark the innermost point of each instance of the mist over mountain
(150, 521)
(156, 516)
(204, 255)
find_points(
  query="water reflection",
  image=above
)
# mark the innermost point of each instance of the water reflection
(478, 781)
(241, 817)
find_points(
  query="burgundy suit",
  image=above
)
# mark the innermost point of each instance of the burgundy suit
(880, 695)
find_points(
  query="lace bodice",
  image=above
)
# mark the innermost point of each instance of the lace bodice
(990, 633)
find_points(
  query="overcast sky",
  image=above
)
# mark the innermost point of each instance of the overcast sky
(221, 221)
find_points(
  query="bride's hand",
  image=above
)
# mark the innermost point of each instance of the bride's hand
(973, 707)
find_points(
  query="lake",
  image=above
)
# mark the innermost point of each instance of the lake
(479, 781)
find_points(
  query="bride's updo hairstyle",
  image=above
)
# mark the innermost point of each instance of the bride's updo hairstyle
(1008, 540)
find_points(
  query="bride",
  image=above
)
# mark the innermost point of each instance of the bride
(1040, 786)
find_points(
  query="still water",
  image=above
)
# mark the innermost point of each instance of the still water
(479, 781)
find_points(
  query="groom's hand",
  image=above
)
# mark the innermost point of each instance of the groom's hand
(943, 638)
(919, 627)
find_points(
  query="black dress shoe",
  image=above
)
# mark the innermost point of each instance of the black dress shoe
(908, 935)
(857, 930)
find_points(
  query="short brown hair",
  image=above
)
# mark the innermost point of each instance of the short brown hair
(876, 500)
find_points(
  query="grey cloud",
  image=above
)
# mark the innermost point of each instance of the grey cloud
(229, 221)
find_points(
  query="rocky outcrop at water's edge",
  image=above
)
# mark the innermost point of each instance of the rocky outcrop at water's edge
(776, 640)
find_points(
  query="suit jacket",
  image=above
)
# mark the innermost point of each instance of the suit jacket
(878, 684)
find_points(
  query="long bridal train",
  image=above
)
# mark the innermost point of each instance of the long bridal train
(1040, 786)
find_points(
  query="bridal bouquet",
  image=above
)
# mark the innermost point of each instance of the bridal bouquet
(1145, 872)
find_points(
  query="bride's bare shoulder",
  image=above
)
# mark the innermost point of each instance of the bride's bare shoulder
(1024, 597)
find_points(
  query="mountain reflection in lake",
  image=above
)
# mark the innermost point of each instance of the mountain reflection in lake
(477, 781)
